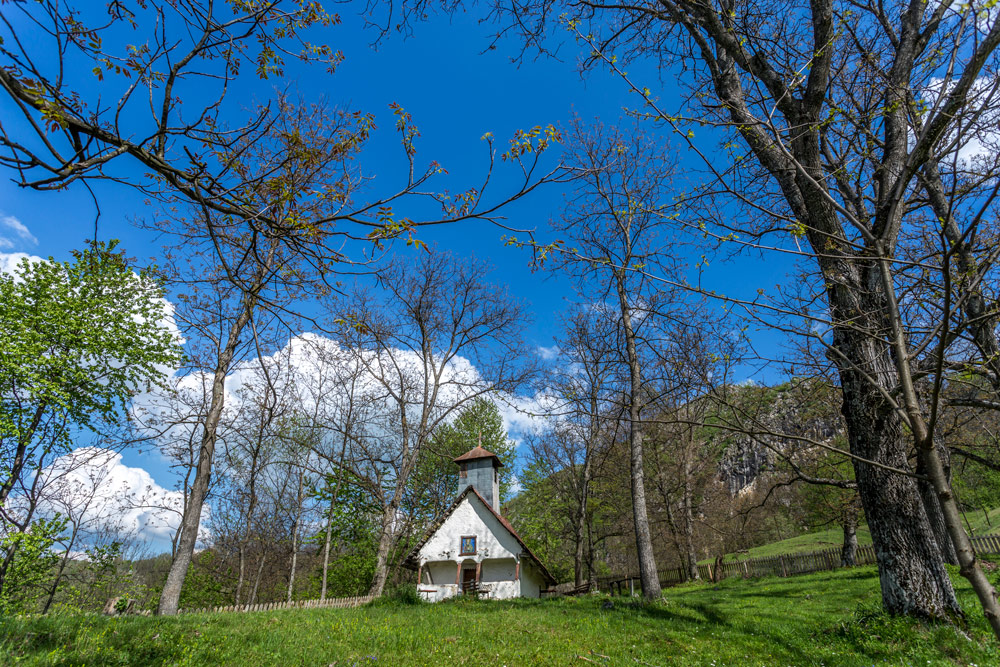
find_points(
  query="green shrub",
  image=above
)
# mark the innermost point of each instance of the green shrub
(31, 562)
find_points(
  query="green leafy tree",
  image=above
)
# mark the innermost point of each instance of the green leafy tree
(434, 482)
(205, 584)
(353, 517)
(77, 339)
(544, 518)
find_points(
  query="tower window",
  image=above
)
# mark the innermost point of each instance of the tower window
(468, 545)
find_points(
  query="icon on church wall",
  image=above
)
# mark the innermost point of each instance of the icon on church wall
(468, 545)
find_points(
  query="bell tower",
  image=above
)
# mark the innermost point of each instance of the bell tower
(480, 469)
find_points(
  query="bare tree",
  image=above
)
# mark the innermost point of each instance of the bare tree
(435, 336)
(90, 105)
(583, 386)
(614, 223)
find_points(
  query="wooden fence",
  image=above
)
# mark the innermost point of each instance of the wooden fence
(783, 565)
(338, 603)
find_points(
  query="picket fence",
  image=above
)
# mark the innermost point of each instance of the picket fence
(783, 565)
(337, 603)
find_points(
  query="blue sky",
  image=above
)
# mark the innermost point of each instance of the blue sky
(455, 92)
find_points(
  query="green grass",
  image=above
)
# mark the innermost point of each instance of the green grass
(980, 526)
(833, 538)
(830, 618)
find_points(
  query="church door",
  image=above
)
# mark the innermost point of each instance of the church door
(468, 578)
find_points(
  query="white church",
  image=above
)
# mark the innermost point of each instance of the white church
(472, 548)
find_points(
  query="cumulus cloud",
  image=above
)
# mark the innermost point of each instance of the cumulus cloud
(10, 261)
(13, 232)
(322, 377)
(529, 415)
(93, 485)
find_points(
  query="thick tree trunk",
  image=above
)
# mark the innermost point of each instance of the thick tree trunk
(848, 552)
(911, 574)
(648, 575)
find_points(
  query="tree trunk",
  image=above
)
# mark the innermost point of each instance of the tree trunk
(385, 540)
(688, 506)
(934, 514)
(171, 595)
(968, 564)
(242, 574)
(935, 467)
(16, 464)
(62, 567)
(326, 548)
(648, 575)
(690, 554)
(295, 536)
(333, 504)
(256, 580)
(580, 573)
(848, 552)
(912, 576)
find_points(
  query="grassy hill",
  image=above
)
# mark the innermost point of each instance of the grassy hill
(828, 619)
(833, 538)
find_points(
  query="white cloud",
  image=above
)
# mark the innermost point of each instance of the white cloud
(12, 227)
(94, 484)
(10, 261)
(548, 353)
(529, 415)
(315, 372)
(974, 137)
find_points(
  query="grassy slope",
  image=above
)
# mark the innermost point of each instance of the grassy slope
(833, 538)
(823, 619)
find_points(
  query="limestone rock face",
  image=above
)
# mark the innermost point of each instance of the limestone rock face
(792, 414)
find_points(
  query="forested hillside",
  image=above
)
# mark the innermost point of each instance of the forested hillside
(763, 468)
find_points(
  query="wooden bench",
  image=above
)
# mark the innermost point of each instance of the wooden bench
(477, 589)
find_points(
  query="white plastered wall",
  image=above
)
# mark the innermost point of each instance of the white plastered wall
(531, 580)
(471, 517)
(496, 549)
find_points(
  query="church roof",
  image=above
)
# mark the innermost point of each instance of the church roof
(411, 559)
(478, 452)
